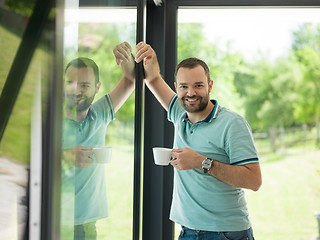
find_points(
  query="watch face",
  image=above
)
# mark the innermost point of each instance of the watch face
(206, 164)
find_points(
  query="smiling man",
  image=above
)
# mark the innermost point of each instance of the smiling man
(214, 154)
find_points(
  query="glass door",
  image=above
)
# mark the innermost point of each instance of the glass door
(98, 131)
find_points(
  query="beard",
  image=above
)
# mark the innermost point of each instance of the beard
(196, 107)
(80, 106)
(85, 104)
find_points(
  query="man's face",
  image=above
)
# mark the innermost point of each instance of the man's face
(80, 88)
(193, 89)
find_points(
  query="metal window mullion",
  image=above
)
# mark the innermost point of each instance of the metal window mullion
(138, 123)
(52, 130)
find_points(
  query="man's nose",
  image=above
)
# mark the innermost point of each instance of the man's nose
(191, 91)
(75, 87)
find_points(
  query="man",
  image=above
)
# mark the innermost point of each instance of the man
(214, 154)
(84, 127)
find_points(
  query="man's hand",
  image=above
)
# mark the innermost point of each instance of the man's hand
(153, 79)
(122, 53)
(147, 54)
(125, 87)
(243, 176)
(79, 156)
(186, 159)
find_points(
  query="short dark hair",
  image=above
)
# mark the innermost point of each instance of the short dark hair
(83, 62)
(192, 63)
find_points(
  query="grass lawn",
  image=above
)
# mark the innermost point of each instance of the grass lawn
(15, 143)
(283, 207)
(119, 177)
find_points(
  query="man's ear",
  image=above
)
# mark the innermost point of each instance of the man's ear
(98, 87)
(175, 86)
(210, 85)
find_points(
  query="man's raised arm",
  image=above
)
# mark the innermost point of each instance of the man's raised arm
(125, 87)
(154, 81)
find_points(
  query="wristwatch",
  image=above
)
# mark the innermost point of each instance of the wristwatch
(206, 165)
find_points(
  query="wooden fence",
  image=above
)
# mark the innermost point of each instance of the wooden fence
(277, 139)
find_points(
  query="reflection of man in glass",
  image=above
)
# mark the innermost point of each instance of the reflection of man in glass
(84, 127)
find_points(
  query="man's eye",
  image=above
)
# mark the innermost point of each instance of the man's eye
(183, 87)
(84, 86)
(199, 86)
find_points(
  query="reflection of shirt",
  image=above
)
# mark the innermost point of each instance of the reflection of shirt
(200, 201)
(89, 185)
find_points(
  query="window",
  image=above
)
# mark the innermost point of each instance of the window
(97, 195)
(262, 63)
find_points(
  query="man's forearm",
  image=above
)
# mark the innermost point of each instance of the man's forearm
(245, 176)
(160, 90)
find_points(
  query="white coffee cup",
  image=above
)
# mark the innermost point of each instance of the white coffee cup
(161, 155)
(102, 154)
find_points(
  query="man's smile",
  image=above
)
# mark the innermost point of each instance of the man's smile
(191, 100)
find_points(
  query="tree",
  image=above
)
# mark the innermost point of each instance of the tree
(306, 47)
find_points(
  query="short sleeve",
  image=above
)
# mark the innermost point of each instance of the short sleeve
(239, 143)
(175, 110)
(104, 106)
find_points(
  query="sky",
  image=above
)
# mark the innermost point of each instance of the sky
(249, 29)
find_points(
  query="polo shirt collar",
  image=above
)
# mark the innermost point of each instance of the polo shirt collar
(91, 115)
(212, 115)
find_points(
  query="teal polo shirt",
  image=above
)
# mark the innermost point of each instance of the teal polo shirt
(84, 189)
(200, 201)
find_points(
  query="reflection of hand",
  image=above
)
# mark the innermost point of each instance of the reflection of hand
(83, 156)
(186, 158)
(79, 156)
(122, 53)
(147, 54)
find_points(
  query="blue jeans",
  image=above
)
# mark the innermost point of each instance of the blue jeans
(189, 234)
(85, 231)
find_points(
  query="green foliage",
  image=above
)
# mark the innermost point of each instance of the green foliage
(15, 143)
(285, 92)
(306, 35)
(188, 33)
(23, 7)
(269, 92)
(280, 93)
(306, 48)
(193, 43)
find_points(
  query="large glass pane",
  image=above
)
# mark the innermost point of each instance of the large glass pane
(265, 65)
(21, 143)
(97, 164)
